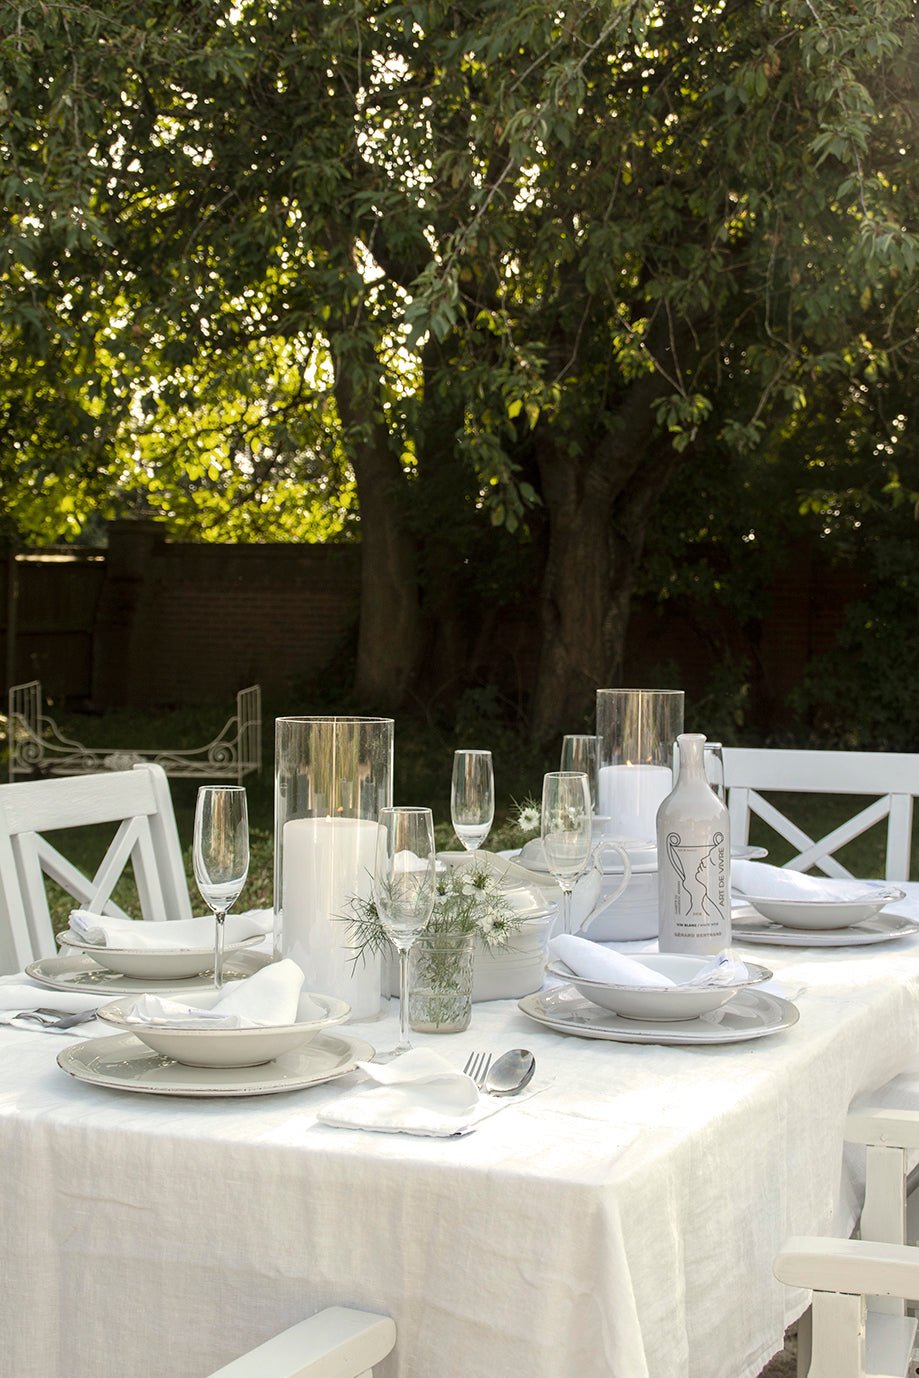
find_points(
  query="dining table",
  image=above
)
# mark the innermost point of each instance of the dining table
(618, 1219)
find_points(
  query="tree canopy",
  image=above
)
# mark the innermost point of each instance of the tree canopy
(484, 277)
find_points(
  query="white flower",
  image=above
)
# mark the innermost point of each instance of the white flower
(528, 818)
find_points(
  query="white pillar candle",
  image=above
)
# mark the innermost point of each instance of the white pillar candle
(326, 862)
(630, 796)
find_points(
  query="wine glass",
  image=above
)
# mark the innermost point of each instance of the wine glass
(221, 854)
(472, 797)
(566, 831)
(579, 753)
(404, 889)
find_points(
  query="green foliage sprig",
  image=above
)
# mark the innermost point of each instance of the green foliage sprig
(468, 901)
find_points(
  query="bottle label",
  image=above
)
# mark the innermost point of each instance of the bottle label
(700, 896)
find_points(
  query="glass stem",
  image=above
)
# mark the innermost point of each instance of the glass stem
(219, 915)
(566, 910)
(404, 1044)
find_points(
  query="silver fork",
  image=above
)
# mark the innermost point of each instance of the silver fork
(477, 1065)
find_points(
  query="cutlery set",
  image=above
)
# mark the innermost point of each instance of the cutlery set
(509, 1074)
(55, 1019)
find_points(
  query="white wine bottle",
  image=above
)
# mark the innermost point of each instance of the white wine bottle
(693, 860)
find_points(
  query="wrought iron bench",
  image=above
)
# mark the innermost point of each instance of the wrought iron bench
(37, 747)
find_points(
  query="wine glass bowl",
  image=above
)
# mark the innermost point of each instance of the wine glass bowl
(404, 888)
(580, 753)
(220, 853)
(565, 827)
(472, 797)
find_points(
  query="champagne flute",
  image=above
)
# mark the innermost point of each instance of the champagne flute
(404, 881)
(472, 797)
(566, 831)
(579, 753)
(221, 855)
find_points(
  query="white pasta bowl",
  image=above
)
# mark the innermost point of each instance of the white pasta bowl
(818, 915)
(662, 1003)
(153, 963)
(208, 1047)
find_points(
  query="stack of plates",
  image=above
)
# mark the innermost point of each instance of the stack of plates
(797, 922)
(751, 1014)
(153, 963)
(678, 1014)
(206, 1046)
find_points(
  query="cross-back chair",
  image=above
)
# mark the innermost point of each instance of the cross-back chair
(891, 778)
(137, 801)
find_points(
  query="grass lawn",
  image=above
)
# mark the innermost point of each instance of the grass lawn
(423, 764)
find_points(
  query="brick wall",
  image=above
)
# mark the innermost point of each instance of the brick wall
(149, 622)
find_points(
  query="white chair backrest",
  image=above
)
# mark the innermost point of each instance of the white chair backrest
(137, 800)
(339, 1342)
(892, 778)
(848, 1337)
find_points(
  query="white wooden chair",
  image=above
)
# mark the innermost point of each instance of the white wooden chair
(850, 1338)
(138, 801)
(892, 778)
(335, 1343)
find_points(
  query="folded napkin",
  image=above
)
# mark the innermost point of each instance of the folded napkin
(271, 996)
(777, 883)
(417, 1093)
(595, 963)
(182, 935)
(19, 996)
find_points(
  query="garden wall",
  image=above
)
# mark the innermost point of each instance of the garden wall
(148, 622)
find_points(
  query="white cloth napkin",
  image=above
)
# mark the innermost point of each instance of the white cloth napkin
(777, 883)
(271, 996)
(18, 996)
(596, 963)
(417, 1093)
(181, 935)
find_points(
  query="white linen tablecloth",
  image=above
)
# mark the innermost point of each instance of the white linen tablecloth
(621, 1223)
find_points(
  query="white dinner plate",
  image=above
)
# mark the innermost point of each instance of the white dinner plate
(123, 1063)
(744, 853)
(881, 928)
(751, 1014)
(819, 914)
(154, 963)
(83, 973)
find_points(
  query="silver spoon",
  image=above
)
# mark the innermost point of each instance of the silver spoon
(510, 1073)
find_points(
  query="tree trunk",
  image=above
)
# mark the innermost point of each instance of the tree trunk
(389, 630)
(598, 510)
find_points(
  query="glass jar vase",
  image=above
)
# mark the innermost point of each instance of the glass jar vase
(440, 971)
